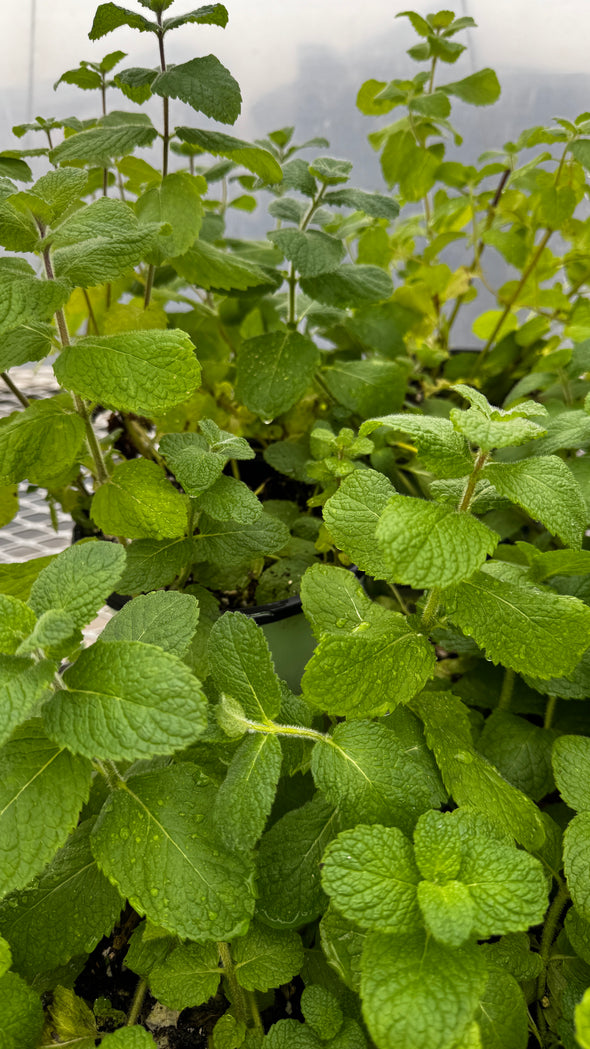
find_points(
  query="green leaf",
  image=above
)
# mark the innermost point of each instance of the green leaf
(83, 77)
(71, 1018)
(206, 85)
(373, 776)
(192, 462)
(468, 777)
(166, 618)
(494, 433)
(41, 443)
(367, 387)
(538, 632)
(547, 490)
(24, 298)
(479, 89)
(178, 856)
(22, 684)
(330, 170)
(576, 862)
(311, 252)
(18, 231)
(352, 515)
(502, 1015)
(417, 992)
(65, 910)
(116, 136)
(582, 1021)
(571, 765)
(322, 1012)
(265, 958)
(210, 14)
(342, 943)
(245, 797)
(560, 562)
(58, 190)
(140, 502)
(31, 342)
(230, 543)
(152, 564)
(78, 581)
(431, 544)
(274, 371)
(17, 579)
(371, 877)
(289, 856)
(208, 267)
(420, 24)
(16, 622)
(128, 1038)
(228, 499)
(242, 667)
(377, 205)
(126, 700)
(252, 157)
(189, 976)
(520, 750)
(349, 286)
(21, 1014)
(100, 242)
(42, 789)
(441, 449)
(111, 16)
(177, 201)
(146, 372)
(136, 83)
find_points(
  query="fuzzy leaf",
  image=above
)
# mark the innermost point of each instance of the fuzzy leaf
(42, 789)
(210, 14)
(25, 298)
(21, 1013)
(189, 976)
(111, 16)
(153, 563)
(265, 958)
(31, 342)
(546, 489)
(41, 443)
(469, 778)
(206, 85)
(16, 622)
(479, 89)
(374, 777)
(370, 874)
(377, 205)
(65, 910)
(368, 387)
(311, 252)
(349, 286)
(231, 543)
(165, 618)
(431, 544)
(440, 448)
(245, 797)
(117, 136)
(352, 516)
(576, 862)
(178, 856)
(252, 157)
(289, 856)
(417, 992)
(492, 433)
(177, 201)
(274, 370)
(22, 684)
(140, 502)
(242, 666)
(100, 242)
(146, 372)
(126, 700)
(208, 267)
(78, 581)
(230, 500)
(540, 633)
(571, 765)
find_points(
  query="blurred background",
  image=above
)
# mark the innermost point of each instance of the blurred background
(301, 62)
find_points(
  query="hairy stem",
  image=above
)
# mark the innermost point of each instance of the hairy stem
(24, 400)
(506, 691)
(471, 483)
(137, 1003)
(431, 607)
(550, 711)
(550, 932)
(238, 995)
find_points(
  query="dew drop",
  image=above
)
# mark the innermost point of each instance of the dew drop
(124, 833)
(154, 892)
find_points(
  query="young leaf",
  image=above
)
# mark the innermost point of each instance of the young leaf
(431, 544)
(374, 777)
(126, 700)
(311, 252)
(242, 666)
(165, 618)
(440, 448)
(177, 201)
(42, 789)
(111, 16)
(479, 89)
(189, 976)
(152, 564)
(349, 286)
(41, 443)
(523, 628)
(289, 856)
(231, 543)
(417, 992)
(117, 136)
(208, 267)
(78, 581)
(252, 157)
(210, 14)
(372, 878)
(140, 502)
(546, 489)
(146, 372)
(65, 910)
(206, 85)
(377, 205)
(136, 83)
(24, 298)
(100, 242)
(469, 778)
(274, 370)
(228, 499)
(21, 1013)
(178, 856)
(266, 958)
(246, 795)
(22, 684)
(352, 515)
(488, 433)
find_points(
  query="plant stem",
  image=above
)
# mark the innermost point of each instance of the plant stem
(238, 997)
(166, 113)
(529, 269)
(550, 711)
(549, 933)
(24, 400)
(149, 284)
(507, 689)
(431, 607)
(471, 483)
(251, 995)
(292, 312)
(137, 1003)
